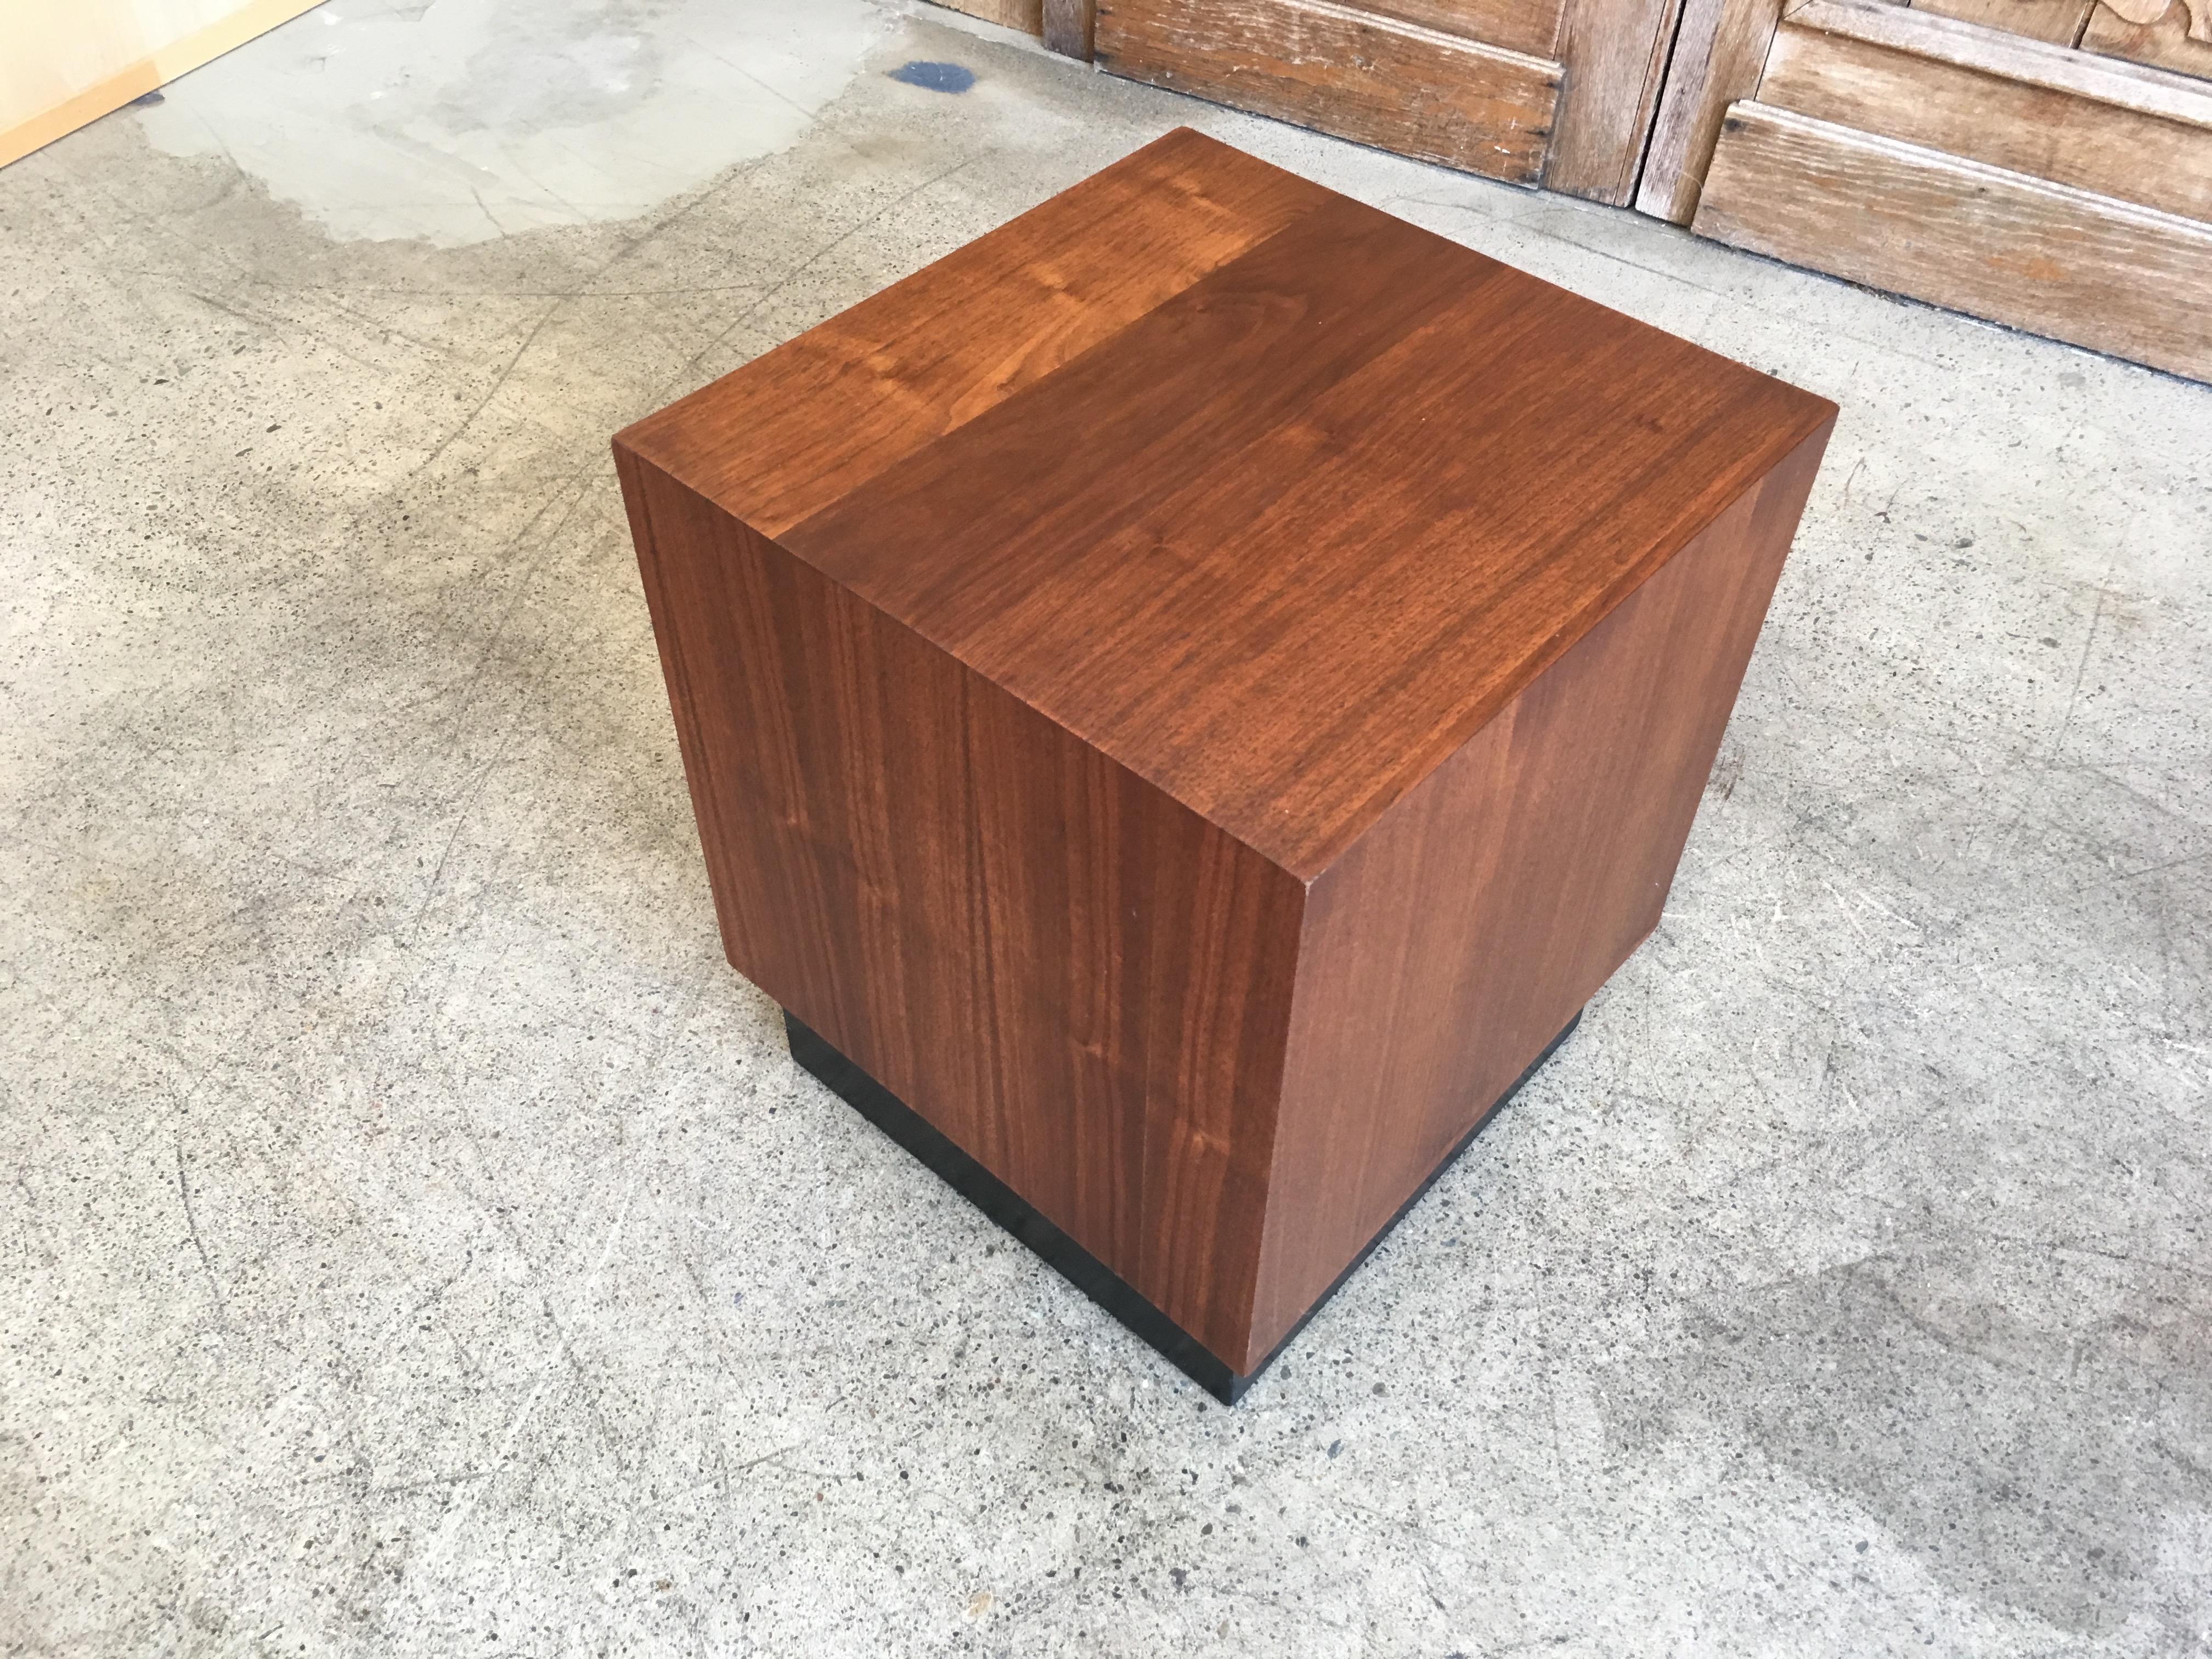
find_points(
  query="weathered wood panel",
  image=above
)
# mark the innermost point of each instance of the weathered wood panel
(1524, 26)
(2020, 105)
(1027, 15)
(1068, 25)
(1616, 52)
(1720, 51)
(2057, 21)
(1399, 86)
(2174, 35)
(1993, 243)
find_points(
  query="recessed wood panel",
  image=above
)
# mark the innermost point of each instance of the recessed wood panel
(1524, 26)
(1026, 15)
(1720, 51)
(2052, 114)
(1356, 73)
(2055, 21)
(2063, 261)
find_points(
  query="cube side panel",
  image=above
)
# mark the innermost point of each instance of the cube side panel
(1463, 930)
(1084, 984)
(641, 478)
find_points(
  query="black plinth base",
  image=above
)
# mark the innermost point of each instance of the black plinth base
(1075, 1264)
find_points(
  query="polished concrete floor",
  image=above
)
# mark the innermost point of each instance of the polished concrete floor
(416, 1240)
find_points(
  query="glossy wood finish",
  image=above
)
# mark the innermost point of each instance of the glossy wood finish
(879, 382)
(1453, 940)
(1138, 720)
(1076, 978)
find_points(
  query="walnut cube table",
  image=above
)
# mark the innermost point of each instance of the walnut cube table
(1187, 698)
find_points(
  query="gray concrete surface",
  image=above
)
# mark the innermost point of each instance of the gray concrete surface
(416, 1240)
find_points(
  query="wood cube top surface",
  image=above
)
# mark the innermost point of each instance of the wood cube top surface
(1271, 497)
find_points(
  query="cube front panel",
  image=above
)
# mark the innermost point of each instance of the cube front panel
(1085, 985)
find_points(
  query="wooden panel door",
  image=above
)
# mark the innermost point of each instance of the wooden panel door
(1552, 92)
(2001, 157)
(2044, 163)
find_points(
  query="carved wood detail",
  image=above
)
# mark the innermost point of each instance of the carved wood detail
(2143, 12)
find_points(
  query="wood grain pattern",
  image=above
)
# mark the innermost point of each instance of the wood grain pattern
(1069, 26)
(1027, 15)
(2176, 36)
(1354, 73)
(1616, 53)
(1066, 752)
(1463, 952)
(2194, 15)
(1720, 53)
(1349, 441)
(1079, 980)
(2110, 128)
(2055, 21)
(918, 361)
(1942, 40)
(1991, 242)
(1531, 26)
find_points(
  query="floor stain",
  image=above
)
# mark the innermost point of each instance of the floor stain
(937, 77)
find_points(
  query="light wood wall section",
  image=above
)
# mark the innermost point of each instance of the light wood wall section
(63, 63)
(2057, 21)
(2073, 263)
